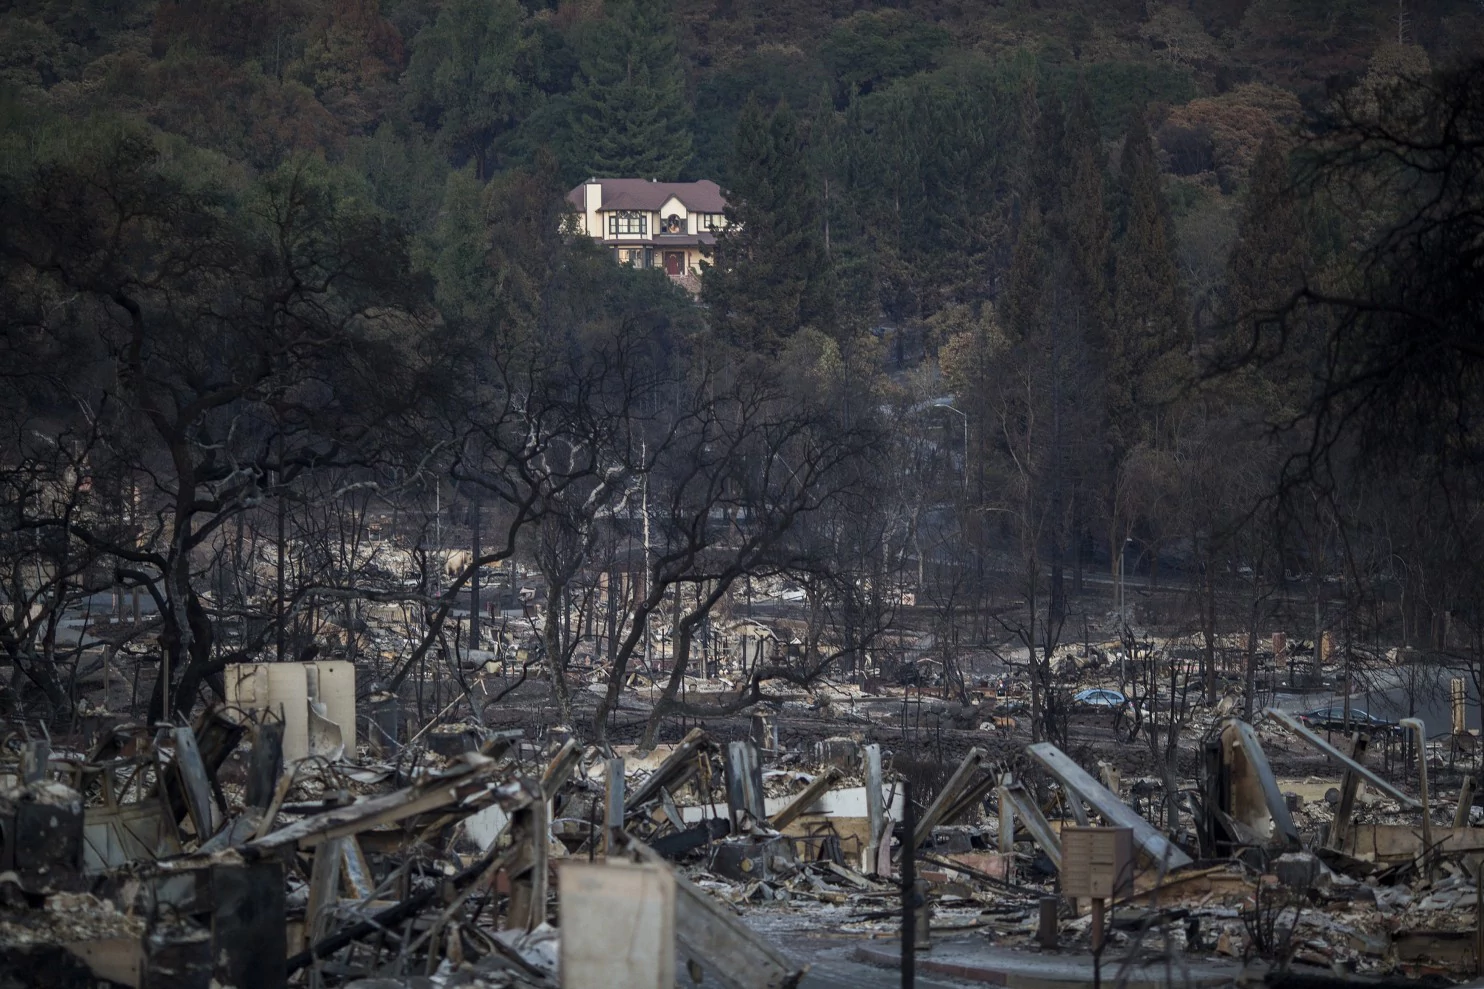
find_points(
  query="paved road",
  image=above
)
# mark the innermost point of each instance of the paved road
(831, 967)
(841, 974)
(1409, 691)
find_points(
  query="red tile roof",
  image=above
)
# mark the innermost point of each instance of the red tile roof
(640, 194)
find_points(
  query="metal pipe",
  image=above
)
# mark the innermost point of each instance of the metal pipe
(909, 889)
(1292, 724)
(1416, 725)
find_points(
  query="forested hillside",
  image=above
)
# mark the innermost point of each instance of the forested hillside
(913, 117)
(1019, 290)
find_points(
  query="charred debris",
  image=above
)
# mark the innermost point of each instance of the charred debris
(266, 845)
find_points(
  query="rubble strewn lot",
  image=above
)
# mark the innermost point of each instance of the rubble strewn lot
(266, 845)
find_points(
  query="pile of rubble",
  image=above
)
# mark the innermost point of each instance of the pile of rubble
(248, 850)
(264, 847)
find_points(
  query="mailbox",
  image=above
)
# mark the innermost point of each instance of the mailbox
(1097, 863)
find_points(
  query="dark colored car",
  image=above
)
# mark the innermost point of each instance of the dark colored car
(1333, 719)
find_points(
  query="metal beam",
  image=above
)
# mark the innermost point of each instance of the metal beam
(744, 784)
(1117, 813)
(875, 812)
(1465, 801)
(560, 768)
(613, 804)
(949, 795)
(1077, 807)
(1007, 818)
(1035, 822)
(805, 799)
(194, 782)
(1292, 724)
(680, 757)
(1277, 805)
(1349, 786)
(1416, 726)
(972, 796)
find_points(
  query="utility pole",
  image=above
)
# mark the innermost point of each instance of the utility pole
(644, 506)
(909, 884)
(474, 577)
(279, 608)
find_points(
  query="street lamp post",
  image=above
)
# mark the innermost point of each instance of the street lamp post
(965, 417)
(1122, 552)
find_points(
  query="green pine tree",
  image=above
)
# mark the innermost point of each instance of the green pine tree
(462, 80)
(1024, 305)
(630, 117)
(1150, 314)
(1084, 264)
(1265, 271)
(1051, 154)
(456, 251)
(1024, 134)
(1085, 224)
(1265, 266)
(769, 275)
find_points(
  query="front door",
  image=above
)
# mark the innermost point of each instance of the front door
(674, 263)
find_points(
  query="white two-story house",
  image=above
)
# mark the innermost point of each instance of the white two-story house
(651, 224)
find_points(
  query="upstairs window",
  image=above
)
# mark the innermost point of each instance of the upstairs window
(628, 222)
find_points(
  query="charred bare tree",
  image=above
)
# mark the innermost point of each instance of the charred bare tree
(232, 351)
(748, 465)
(44, 471)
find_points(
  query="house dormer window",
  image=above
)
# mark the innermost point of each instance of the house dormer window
(628, 222)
